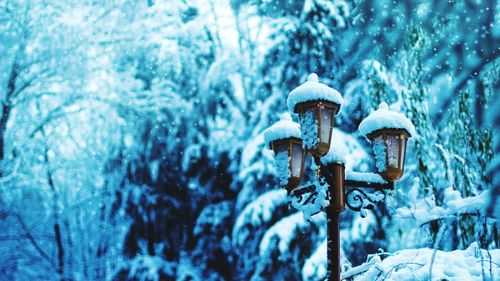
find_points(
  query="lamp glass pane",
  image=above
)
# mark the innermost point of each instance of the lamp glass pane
(402, 152)
(326, 124)
(392, 150)
(297, 161)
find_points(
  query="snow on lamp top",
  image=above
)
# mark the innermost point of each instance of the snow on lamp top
(334, 155)
(383, 118)
(313, 90)
(283, 129)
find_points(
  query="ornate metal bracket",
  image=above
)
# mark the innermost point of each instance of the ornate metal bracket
(310, 199)
(363, 192)
(361, 199)
(298, 192)
(303, 196)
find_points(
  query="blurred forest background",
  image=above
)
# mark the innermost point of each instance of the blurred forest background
(131, 140)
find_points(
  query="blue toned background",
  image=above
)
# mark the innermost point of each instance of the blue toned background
(131, 143)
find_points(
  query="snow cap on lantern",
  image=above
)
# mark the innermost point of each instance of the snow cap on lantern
(313, 90)
(284, 139)
(316, 105)
(389, 132)
(383, 118)
(283, 129)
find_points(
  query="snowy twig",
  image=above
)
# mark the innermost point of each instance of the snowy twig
(32, 240)
(449, 217)
(362, 268)
(439, 235)
(398, 266)
(490, 261)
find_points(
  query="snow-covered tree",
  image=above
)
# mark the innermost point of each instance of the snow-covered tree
(131, 137)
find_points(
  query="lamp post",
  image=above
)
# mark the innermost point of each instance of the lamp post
(316, 105)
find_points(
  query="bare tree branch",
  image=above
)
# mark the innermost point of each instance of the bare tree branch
(32, 240)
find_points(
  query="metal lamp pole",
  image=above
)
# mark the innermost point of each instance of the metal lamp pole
(359, 190)
(358, 194)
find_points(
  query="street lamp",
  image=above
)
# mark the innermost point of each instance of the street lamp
(389, 132)
(285, 141)
(316, 105)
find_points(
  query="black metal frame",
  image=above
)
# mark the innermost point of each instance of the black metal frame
(356, 190)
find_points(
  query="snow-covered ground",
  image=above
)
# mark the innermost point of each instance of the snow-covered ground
(472, 263)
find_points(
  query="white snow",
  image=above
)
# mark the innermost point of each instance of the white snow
(255, 159)
(467, 205)
(347, 150)
(281, 130)
(313, 90)
(257, 212)
(212, 216)
(335, 154)
(365, 176)
(379, 151)
(251, 150)
(425, 210)
(154, 169)
(375, 70)
(309, 129)
(315, 265)
(282, 164)
(312, 203)
(149, 268)
(284, 230)
(385, 118)
(415, 264)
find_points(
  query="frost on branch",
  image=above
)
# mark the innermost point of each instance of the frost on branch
(146, 268)
(285, 231)
(472, 264)
(259, 212)
(315, 266)
(290, 240)
(425, 210)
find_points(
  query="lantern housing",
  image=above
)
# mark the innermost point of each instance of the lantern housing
(290, 157)
(317, 119)
(390, 152)
(284, 139)
(389, 132)
(316, 104)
